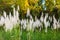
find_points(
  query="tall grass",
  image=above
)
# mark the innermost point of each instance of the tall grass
(15, 34)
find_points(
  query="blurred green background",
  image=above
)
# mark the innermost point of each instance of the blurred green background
(35, 6)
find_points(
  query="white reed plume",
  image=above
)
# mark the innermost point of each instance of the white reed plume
(14, 11)
(14, 20)
(54, 22)
(18, 7)
(10, 19)
(37, 23)
(10, 15)
(17, 16)
(7, 24)
(28, 12)
(58, 24)
(4, 14)
(46, 23)
(25, 24)
(30, 24)
(41, 19)
(2, 20)
(50, 18)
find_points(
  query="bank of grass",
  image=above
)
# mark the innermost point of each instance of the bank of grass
(37, 35)
(15, 34)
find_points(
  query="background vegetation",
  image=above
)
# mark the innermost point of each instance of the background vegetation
(34, 5)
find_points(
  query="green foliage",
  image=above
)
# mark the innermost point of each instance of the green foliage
(13, 35)
(34, 5)
(36, 35)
